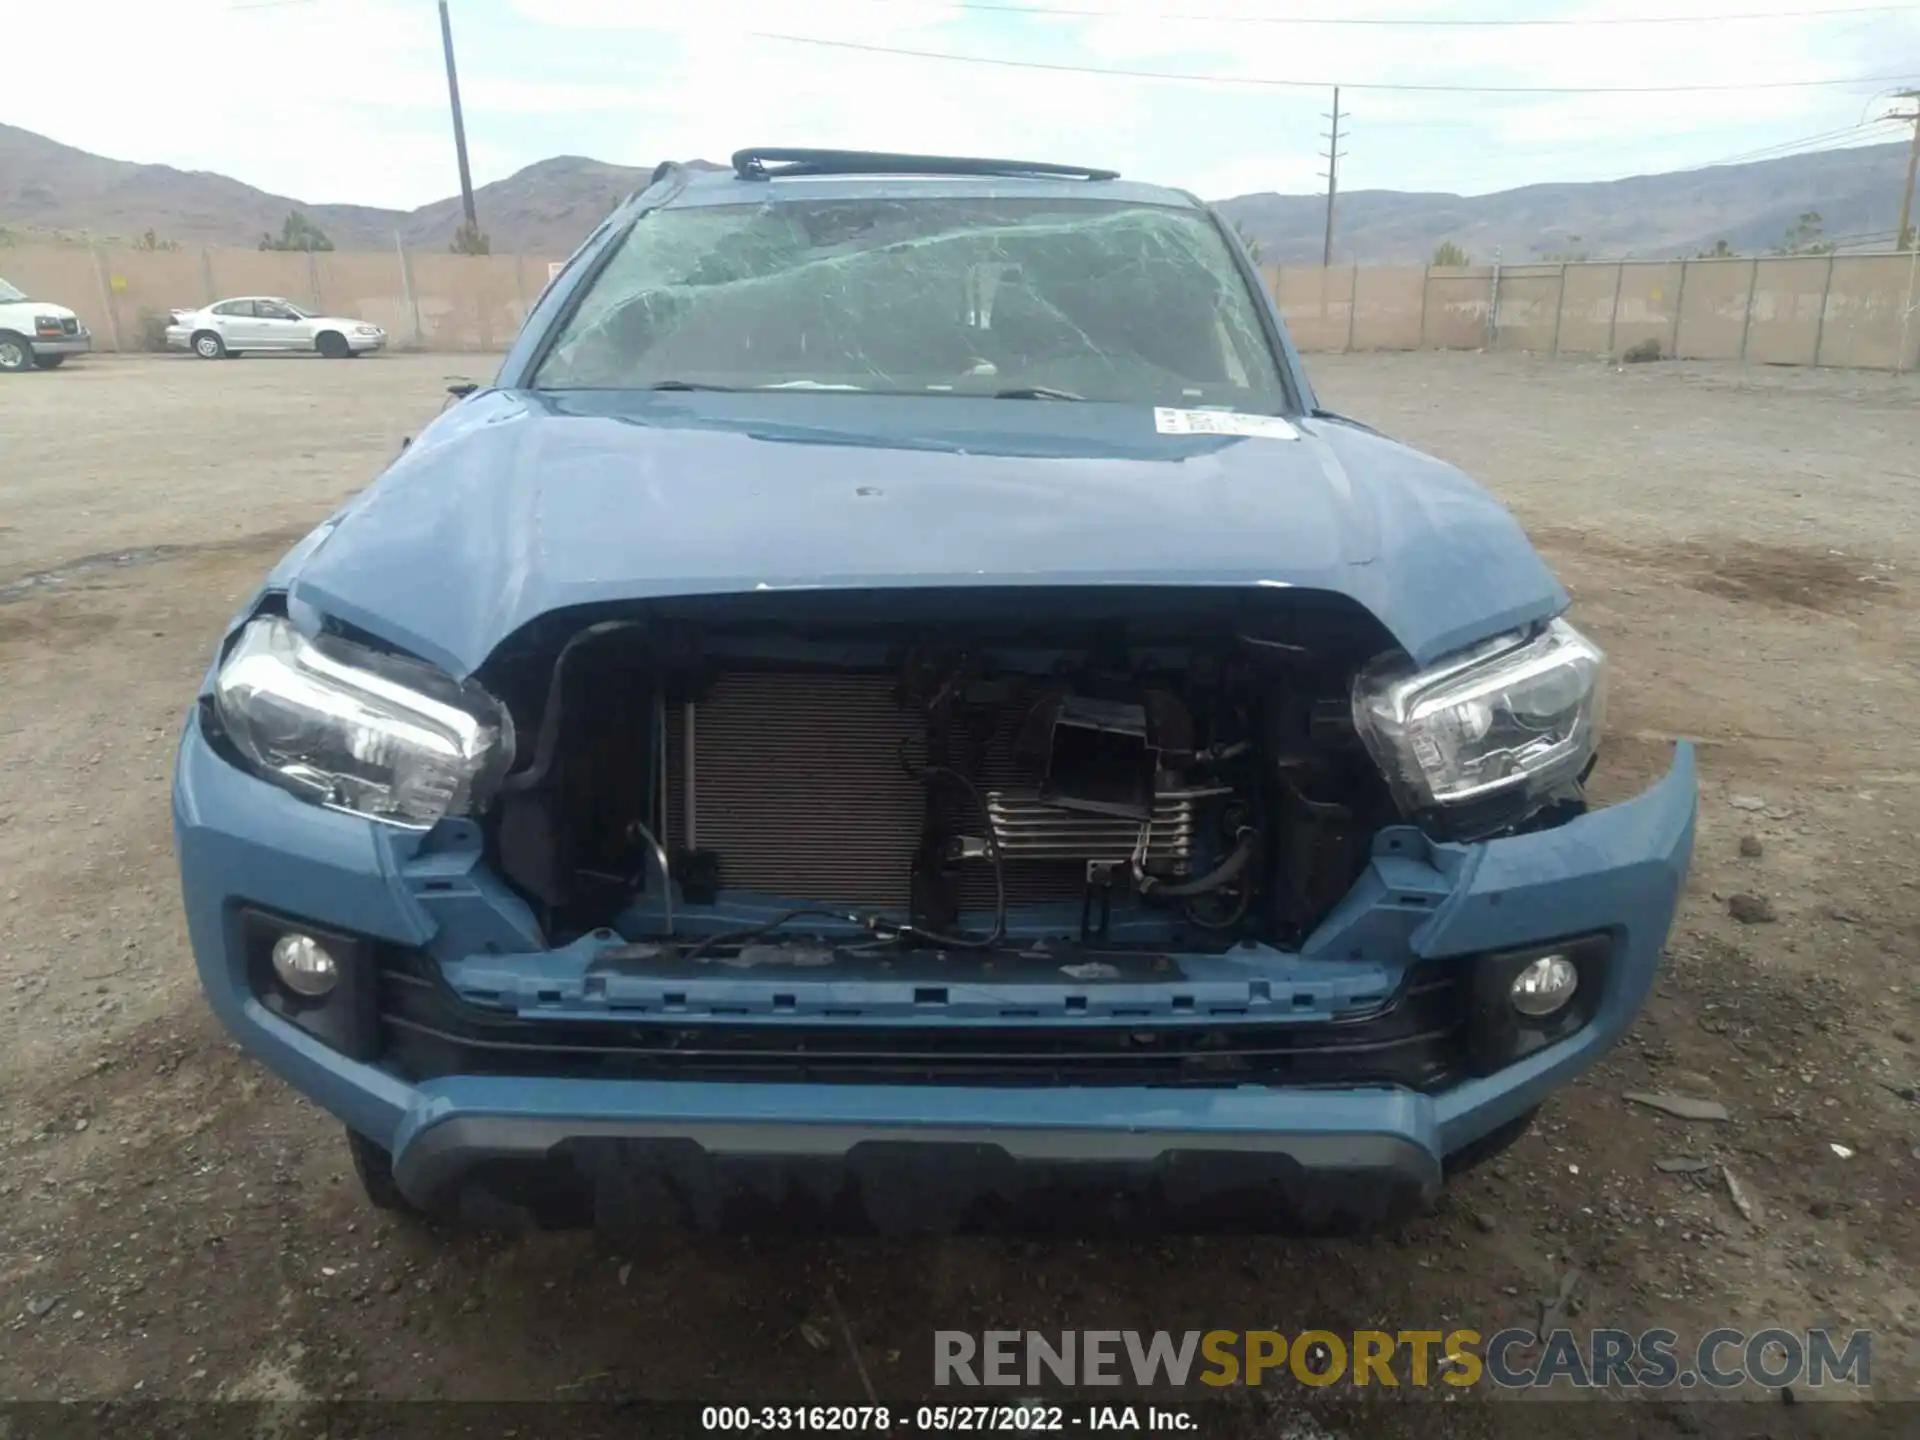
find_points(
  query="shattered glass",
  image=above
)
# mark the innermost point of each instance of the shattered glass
(1045, 298)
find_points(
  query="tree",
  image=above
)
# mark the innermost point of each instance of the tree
(1568, 256)
(297, 232)
(1804, 237)
(1449, 254)
(154, 244)
(1720, 251)
(471, 240)
(1247, 239)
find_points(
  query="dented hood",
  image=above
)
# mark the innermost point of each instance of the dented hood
(512, 505)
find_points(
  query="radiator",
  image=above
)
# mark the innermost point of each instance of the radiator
(798, 786)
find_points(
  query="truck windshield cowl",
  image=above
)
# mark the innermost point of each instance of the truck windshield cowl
(984, 296)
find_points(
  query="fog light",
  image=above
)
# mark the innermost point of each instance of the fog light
(1541, 989)
(307, 967)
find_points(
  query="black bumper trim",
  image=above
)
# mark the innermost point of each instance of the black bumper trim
(712, 1173)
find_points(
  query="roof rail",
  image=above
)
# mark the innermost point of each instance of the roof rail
(752, 164)
(664, 170)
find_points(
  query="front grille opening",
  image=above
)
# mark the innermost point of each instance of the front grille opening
(1156, 767)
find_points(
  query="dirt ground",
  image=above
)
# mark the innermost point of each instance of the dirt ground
(175, 1223)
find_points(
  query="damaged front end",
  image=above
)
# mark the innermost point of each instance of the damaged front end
(951, 815)
(968, 772)
(843, 848)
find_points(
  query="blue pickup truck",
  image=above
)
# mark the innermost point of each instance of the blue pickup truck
(899, 707)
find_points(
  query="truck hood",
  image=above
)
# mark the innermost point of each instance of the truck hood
(515, 504)
(41, 307)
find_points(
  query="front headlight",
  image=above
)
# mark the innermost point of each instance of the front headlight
(366, 329)
(349, 727)
(1518, 716)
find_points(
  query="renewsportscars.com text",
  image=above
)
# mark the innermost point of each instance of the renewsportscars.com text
(1508, 1359)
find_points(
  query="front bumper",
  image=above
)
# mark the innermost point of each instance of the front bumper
(79, 343)
(939, 1152)
(364, 344)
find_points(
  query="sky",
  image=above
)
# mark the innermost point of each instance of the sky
(345, 100)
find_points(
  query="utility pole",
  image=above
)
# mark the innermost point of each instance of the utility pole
(459, 125)
(1334, 154)
(1904, 238)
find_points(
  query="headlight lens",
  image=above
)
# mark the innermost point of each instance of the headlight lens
(1518, 715)
(349, 727)
(366, 329)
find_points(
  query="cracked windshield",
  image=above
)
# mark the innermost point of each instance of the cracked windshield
(1052, 300)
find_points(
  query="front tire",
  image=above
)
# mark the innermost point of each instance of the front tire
(16, 353)
(49, 362)
(1476, 1153)
(208, 346)
(374, 1169)
(332, 345)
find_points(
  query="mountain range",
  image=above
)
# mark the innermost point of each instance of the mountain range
(548, 208)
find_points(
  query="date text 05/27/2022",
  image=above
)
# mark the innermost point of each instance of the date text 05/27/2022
(1033, 1418)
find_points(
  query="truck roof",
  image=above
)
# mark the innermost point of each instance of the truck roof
(768, 174)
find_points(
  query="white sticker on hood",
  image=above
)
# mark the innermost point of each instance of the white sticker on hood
(1221, 422)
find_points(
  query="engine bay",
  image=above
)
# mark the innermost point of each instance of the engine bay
(964, 773)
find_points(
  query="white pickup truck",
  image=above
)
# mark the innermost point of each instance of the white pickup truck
(37, 334)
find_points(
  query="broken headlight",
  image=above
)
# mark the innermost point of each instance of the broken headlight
(1518, 715)
(358, 730)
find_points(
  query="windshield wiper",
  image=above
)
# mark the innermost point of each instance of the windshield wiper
(1036, 392)
(686, 385)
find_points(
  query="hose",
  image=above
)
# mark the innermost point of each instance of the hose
(999, 931)
(1225, 922)
(1215, 754)
(547, 739)
(925, 773)
(800, 912)
(1221, 874)
(666, 876)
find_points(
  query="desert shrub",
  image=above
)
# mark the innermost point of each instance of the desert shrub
(1639, 354)
(150, 330)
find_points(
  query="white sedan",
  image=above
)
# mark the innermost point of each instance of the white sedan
(266, 322)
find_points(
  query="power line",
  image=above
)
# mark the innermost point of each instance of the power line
(1188, 75)
(1806, 144)
(1407, 22)
(1383, 22)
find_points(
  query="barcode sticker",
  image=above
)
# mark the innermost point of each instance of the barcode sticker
(1222, 422)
